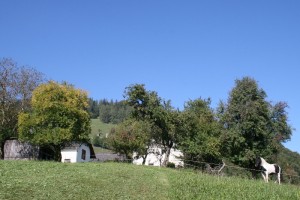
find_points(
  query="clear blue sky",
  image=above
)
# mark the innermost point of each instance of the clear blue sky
(181, 49)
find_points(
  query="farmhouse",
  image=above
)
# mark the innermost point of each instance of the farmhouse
(155, 157)
(77, 152)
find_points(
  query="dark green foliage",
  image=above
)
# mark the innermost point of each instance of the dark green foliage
(132, 136)
(113, 111)
(247, 123)
(290, 164)
(251, 124)
(199, 132)
(148, 106)
(281, 130)
(93, 108)
(101, 141)
(171, 165)
(144, 103)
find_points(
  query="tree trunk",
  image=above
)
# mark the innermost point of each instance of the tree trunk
(2, 150)
(144, 159)
(168, 152)
(166, 160)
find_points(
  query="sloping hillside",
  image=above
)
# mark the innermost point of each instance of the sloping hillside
(100, 127)
(289, 161)
(54, 180)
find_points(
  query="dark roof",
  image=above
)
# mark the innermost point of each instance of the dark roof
(93, 155)
(73, 145)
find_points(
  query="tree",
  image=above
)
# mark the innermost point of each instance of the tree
(59, 116)
(144, 103)
(166, 118)
(281, 130)
(132, 136)
(16, 86)
(93, 108)
(247, 121)
(199, 132)
(290, 173)
(148, 106)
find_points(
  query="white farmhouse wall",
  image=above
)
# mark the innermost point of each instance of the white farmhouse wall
(176, 158)
(156, 158)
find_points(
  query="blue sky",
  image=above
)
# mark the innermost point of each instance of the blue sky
(181, 49)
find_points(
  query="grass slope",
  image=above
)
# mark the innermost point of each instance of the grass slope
(98, 125)
(52, 180)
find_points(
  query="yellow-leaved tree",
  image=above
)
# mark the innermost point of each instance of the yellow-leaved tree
(59, 116)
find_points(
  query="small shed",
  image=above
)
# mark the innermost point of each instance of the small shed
(16, 150)
(77, 152)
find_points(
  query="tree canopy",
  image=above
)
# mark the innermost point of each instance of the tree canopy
(16, 86)
(251, 123)
(245, 126)
(58, 116)
(132, 136)
(149, 108)
(199, 132)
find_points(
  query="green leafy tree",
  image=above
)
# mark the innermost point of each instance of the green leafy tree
(132, 136)
(281, 130)
(199, 132)
(166, 119)
(145, 103)
(249, 123)
(59, 116)
(148, 106)
(16, 86)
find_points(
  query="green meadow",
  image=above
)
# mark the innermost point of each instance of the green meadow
(98, 126)
(109, 180)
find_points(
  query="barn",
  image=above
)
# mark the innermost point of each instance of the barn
(77, 152)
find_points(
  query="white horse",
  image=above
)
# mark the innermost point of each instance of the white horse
(268, 169)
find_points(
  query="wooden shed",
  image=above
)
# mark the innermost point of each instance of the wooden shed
(77, 152)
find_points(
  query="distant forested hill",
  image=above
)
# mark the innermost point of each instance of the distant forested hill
(107, 111)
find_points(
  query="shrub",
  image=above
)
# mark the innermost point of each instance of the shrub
(171, 165)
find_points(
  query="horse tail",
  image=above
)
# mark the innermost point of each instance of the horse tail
(281, 174)
(278, 171)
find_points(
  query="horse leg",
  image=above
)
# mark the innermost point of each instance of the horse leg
(267, 177)
(263, 175)
(278, 178)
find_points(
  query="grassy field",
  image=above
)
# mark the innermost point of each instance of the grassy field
(52, 180)
(97, 126)
(101, 150)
